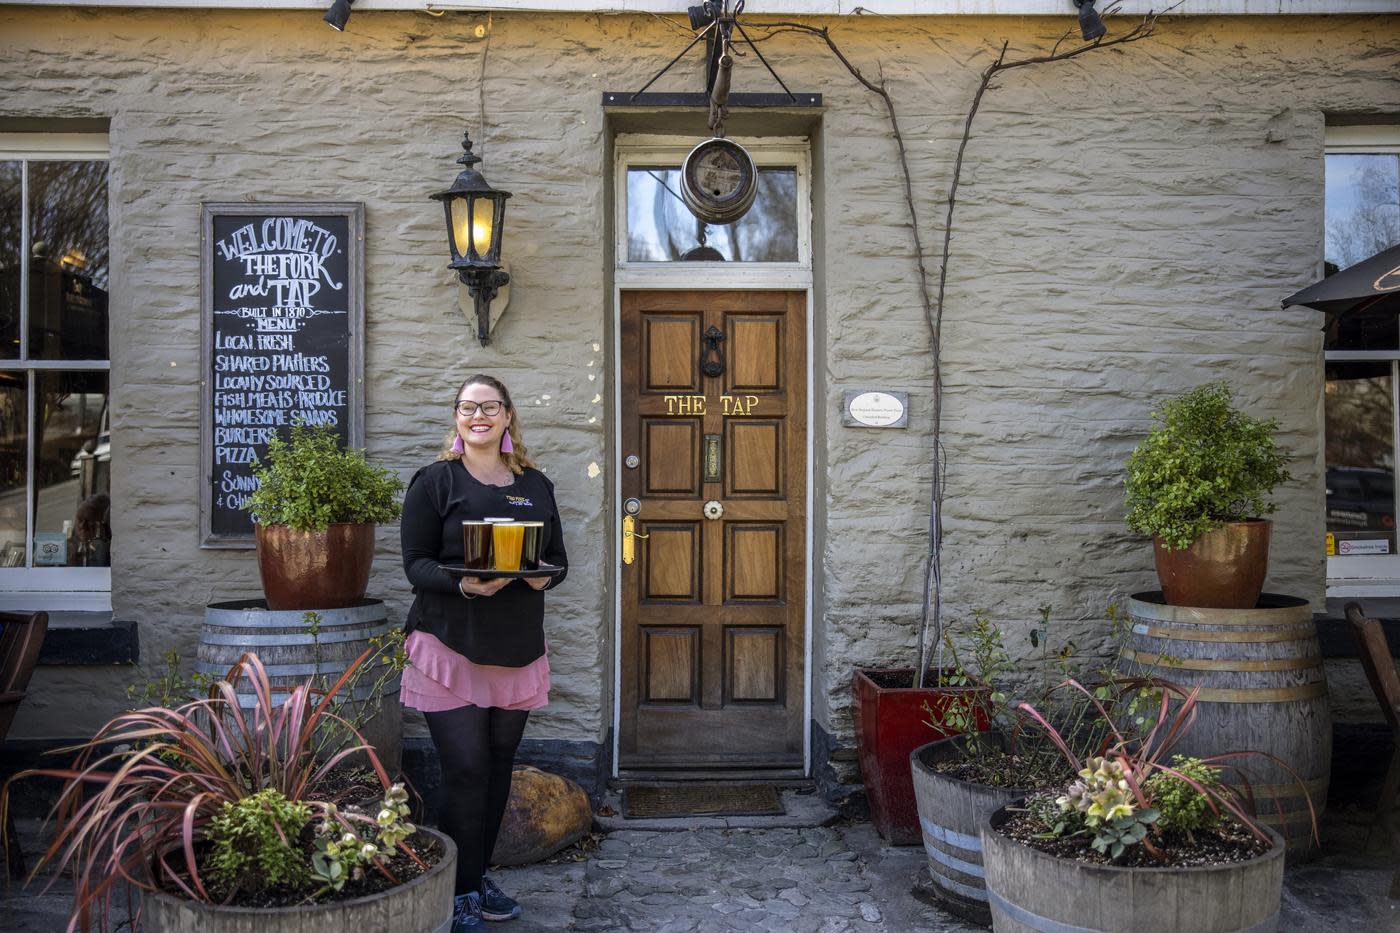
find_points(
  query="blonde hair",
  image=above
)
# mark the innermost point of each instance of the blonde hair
(519, 458)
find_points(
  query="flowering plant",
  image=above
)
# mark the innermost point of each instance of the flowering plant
(1131, 795)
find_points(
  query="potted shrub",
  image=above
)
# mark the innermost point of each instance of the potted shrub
(1138, 841)
(226, 820)
(315, 507)
(1199, 484)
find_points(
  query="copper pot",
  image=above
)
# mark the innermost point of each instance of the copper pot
(1222, 569)
(315, 569)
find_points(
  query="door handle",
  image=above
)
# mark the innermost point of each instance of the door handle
(629, 539)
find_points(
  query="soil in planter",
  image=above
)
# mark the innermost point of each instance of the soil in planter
(1230, 842)
(401, 866)
(348, 785)
(997, 769)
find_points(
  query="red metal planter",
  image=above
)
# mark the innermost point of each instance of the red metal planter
(890, 723)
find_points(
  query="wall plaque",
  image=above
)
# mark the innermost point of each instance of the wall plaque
(282, 316)
(863, 408)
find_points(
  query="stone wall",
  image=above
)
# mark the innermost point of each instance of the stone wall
(1127, 225)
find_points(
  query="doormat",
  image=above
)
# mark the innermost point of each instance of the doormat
(655, 801)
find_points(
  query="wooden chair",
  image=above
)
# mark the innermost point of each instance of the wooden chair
(1379, 665)
(19, 652)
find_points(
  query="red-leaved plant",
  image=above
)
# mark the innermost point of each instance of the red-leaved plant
(138, 813)
(1116, 792)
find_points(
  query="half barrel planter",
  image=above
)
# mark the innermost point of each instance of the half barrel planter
(951, 813)
(421, 905)
(890, 723)
(1034, 892)
(283, 641)
(1262, 689)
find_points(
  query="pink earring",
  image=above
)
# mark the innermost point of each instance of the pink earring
(506, 445)
(457, 447)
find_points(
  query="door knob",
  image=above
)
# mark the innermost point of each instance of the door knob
(714, 509)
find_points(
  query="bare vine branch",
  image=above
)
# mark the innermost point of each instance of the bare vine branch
(931, 616)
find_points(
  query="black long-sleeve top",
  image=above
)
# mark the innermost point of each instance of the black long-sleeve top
(507, 628)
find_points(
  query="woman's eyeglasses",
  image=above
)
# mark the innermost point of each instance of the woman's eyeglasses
(489, 409)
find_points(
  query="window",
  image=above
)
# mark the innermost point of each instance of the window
(1362, 217)
(660, 228)
(657, 232)
(55, 443)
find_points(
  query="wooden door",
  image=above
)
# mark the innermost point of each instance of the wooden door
(713, 604)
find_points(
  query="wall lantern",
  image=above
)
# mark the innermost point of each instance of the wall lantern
(476, 215)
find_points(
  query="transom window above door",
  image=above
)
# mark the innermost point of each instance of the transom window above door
(655, 229)
(660, 228)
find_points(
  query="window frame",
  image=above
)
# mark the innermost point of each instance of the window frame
(1365, 575)
(52, 588)
(637, 150)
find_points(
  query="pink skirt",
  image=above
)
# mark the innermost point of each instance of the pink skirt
(439, 679)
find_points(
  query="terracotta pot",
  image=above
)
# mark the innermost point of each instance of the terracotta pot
(1222, 569)
(315, 569)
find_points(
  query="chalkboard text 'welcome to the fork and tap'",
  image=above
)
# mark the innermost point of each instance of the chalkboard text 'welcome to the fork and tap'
(280, 336)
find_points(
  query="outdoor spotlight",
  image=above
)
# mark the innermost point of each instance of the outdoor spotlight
(1090, 23)
(700, 16)
(338, 15)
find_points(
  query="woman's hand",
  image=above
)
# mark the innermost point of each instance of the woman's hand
(538, 583)
(472, 586)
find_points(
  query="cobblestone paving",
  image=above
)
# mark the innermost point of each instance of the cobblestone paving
(840, 879)
(778, 880)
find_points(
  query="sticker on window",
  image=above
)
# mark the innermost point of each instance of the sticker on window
(1377, 546)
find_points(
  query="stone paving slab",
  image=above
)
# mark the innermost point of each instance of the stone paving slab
(821, 879)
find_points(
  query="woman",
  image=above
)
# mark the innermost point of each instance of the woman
(477, 646)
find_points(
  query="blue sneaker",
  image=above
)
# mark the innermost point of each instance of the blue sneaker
(466, 914)
(495, 904)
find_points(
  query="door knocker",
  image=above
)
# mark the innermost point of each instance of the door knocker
(712, 338)
(714, 509)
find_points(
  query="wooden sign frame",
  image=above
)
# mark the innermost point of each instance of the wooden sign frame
(257, 211)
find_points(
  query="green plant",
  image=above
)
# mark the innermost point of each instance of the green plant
(137, 803)
(255, 842)
(1119, 797)
(309, 482)
(171, 687)
(967, 711)
(341, 851)
(1183, 809)
(1205, 463)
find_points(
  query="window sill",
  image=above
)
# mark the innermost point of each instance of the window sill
(84, 638)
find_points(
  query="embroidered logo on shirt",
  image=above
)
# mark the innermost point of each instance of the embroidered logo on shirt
(518, 500)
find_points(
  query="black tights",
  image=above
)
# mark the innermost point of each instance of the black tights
(476, 747)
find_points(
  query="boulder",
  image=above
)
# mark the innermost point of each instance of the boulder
(545, 813)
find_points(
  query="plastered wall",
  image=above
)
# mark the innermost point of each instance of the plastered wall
(1127, 224)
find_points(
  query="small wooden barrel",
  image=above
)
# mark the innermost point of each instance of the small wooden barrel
(951, 813)
(422, 905)
(283, 641)
(1262, 689)
(1034, 892)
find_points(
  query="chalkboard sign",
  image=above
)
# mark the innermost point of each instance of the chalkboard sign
(282, 308)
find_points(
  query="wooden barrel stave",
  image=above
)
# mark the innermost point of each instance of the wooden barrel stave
(1262, 689)
(282, 641)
